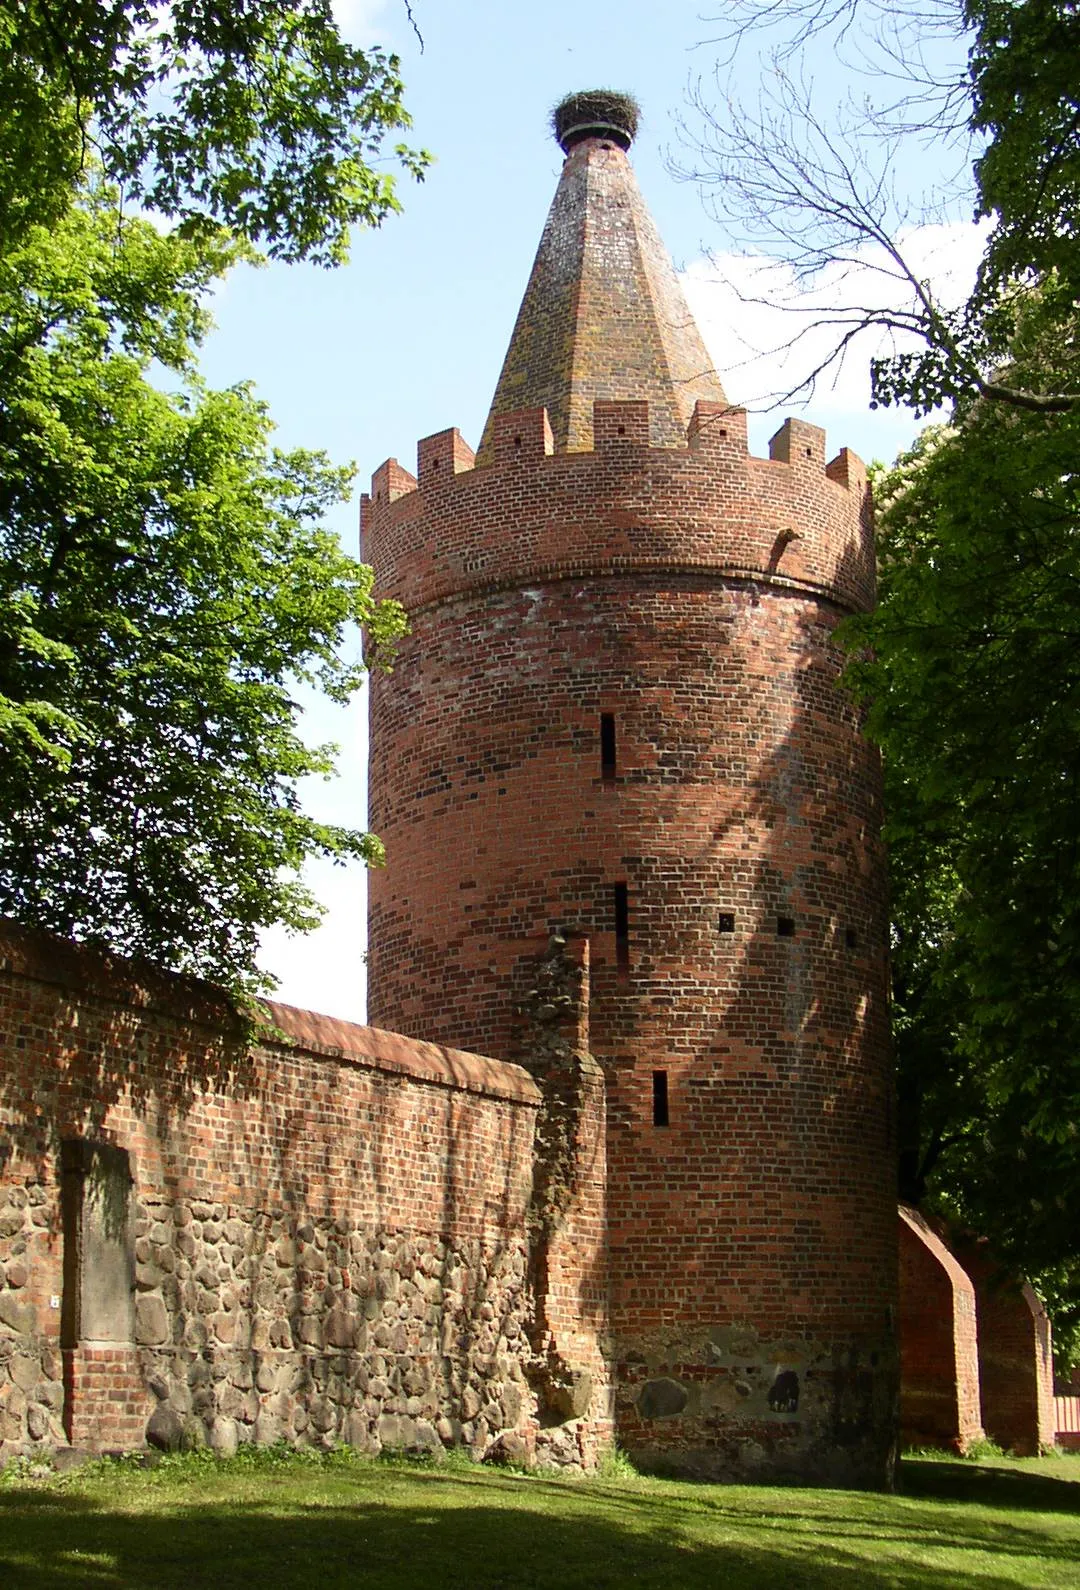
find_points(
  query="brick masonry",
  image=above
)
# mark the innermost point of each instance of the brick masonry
(691, 593)
(603, 315)
(1016, 1371)
(330, 1231)
(975, 1345)
(939, 1345)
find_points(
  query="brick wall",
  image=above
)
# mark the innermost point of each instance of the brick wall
(939, 1347)
(329, 1231)
(603, 315)
(691, 594)
(532, 512)
(1016, 1369)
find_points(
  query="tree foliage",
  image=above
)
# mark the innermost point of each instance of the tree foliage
(972, 681)
(255, 114)
(1026, 100)
(164, 582)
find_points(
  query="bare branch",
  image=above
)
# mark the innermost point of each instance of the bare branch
(825, 195)
(413, 24)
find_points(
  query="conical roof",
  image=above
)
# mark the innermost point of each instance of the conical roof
(603, 315)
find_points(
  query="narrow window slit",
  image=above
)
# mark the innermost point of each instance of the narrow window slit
(607, 745)
(660, 1115)
(725, 922)
(622, 931)
(785, 927)
(851, 938)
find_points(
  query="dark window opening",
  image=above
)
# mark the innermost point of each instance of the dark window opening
(622, 931)
(851, 938)
(607, 745)
(660, 1115)
(725, 922)
(785, 927)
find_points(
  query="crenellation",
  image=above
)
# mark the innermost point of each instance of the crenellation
(847, 469)
(522, 437)
(620, 426)
(718, 431)
(532, 513)
(442, 456)
(391, 481)
(799, 444)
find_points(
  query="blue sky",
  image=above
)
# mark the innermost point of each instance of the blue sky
(409, 337)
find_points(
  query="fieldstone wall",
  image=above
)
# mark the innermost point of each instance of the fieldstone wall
(31, 1370)
(327, 1232)
(261, 1327)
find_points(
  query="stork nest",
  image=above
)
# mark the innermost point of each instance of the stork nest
(596, 113)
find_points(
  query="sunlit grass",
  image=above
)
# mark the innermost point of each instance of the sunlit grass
(264, 1518)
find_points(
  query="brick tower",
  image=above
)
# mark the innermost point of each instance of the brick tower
(618, 718)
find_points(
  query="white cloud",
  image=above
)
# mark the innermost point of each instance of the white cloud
(359, 20)
(767, 331)
(325, 970)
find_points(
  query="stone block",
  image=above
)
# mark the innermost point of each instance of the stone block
(224, 1436)
(151, 1320)
(25, 1371)
(16, 1315)
(165, 1429)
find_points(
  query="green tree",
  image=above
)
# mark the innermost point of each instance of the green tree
(164, 582)
(252, 114)
(970, 669)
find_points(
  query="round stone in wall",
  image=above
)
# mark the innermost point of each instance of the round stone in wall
(661, 1399)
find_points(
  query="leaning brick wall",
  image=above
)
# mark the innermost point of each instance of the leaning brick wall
(939, 1346)
(330, 1229)
(1016, 1369)
(692, 594)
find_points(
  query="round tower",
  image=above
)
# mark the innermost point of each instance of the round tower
(618, 715)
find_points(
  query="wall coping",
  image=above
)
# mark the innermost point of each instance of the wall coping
(928, 1238)
(86, 972)
(329, 1037)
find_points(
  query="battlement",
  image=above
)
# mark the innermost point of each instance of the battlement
(532, 513)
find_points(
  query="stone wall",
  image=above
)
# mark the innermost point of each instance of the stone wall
(31, 1369)
(327, 1233)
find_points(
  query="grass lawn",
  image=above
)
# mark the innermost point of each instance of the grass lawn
(268, 1521)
